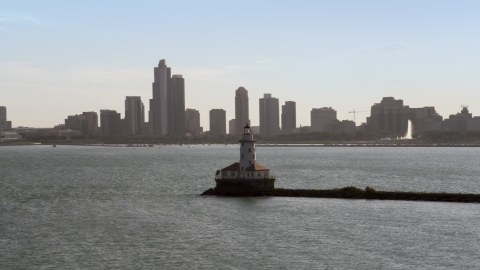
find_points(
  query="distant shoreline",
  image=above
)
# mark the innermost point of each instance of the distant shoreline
(356, 193)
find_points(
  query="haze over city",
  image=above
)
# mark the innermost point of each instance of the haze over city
(64, 58)
(214, 134)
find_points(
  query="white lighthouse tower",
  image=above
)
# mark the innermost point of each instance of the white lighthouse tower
(247, 149)
(245, 176)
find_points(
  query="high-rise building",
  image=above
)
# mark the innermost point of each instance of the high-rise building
(122, 126)
(92, 123)
(78, 123)
(426, 119)
(392, 115)
(159, 104)
(387, 116)
(241, 110)
(473, 124)
(231, 127)
(459, 121)
(86, 123)
(269, 115)
(192, 122)
(3, 117)
(167, 107)
(176, 118)
(322, 118)
(150, 118)
(134, 116)
(218, 122)
(110, 123)
(289, 117)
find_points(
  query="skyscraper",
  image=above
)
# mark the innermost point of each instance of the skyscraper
(110, 123)
(459, 121)
(231, 127)
(150, 117)
(192, 122)
(159, 104)
(269, 115)
(134, 115)
(77, 122)
(92, 123)
(218, 122)
(387, 115)
(241, 110)
(392, 115)
(321, 119)
(177, 105)
(289, 116)
(167, 107)
(3, 117)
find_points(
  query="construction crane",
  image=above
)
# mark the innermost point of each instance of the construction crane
(355, 112)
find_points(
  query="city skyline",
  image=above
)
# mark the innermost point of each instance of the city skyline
(341, 55)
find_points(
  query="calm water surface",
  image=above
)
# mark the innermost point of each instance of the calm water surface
(76, 207)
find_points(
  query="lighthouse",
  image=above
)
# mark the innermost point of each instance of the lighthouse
(245, 176)
(247, 149)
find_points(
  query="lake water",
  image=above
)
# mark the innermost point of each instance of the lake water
(73, 207)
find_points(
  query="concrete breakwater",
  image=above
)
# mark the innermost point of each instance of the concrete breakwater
(357, 193)
(371, 145)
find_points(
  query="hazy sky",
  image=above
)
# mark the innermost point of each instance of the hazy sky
(60, 58)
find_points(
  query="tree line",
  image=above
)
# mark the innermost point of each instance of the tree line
(312, 137)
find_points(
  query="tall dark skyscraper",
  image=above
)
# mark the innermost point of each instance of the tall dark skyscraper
(3, 117)
(241, 109)
(167, 107)
(134, 116)
(110, 123)
(159, 103)
(176, 117)
(269, 115)
(289, 116)
(218, 122)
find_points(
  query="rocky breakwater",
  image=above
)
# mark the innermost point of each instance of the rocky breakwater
(357, 193)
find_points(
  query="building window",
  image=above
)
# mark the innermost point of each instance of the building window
(242, 156)
(250, 162)
(248, 150)
(242, 143)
